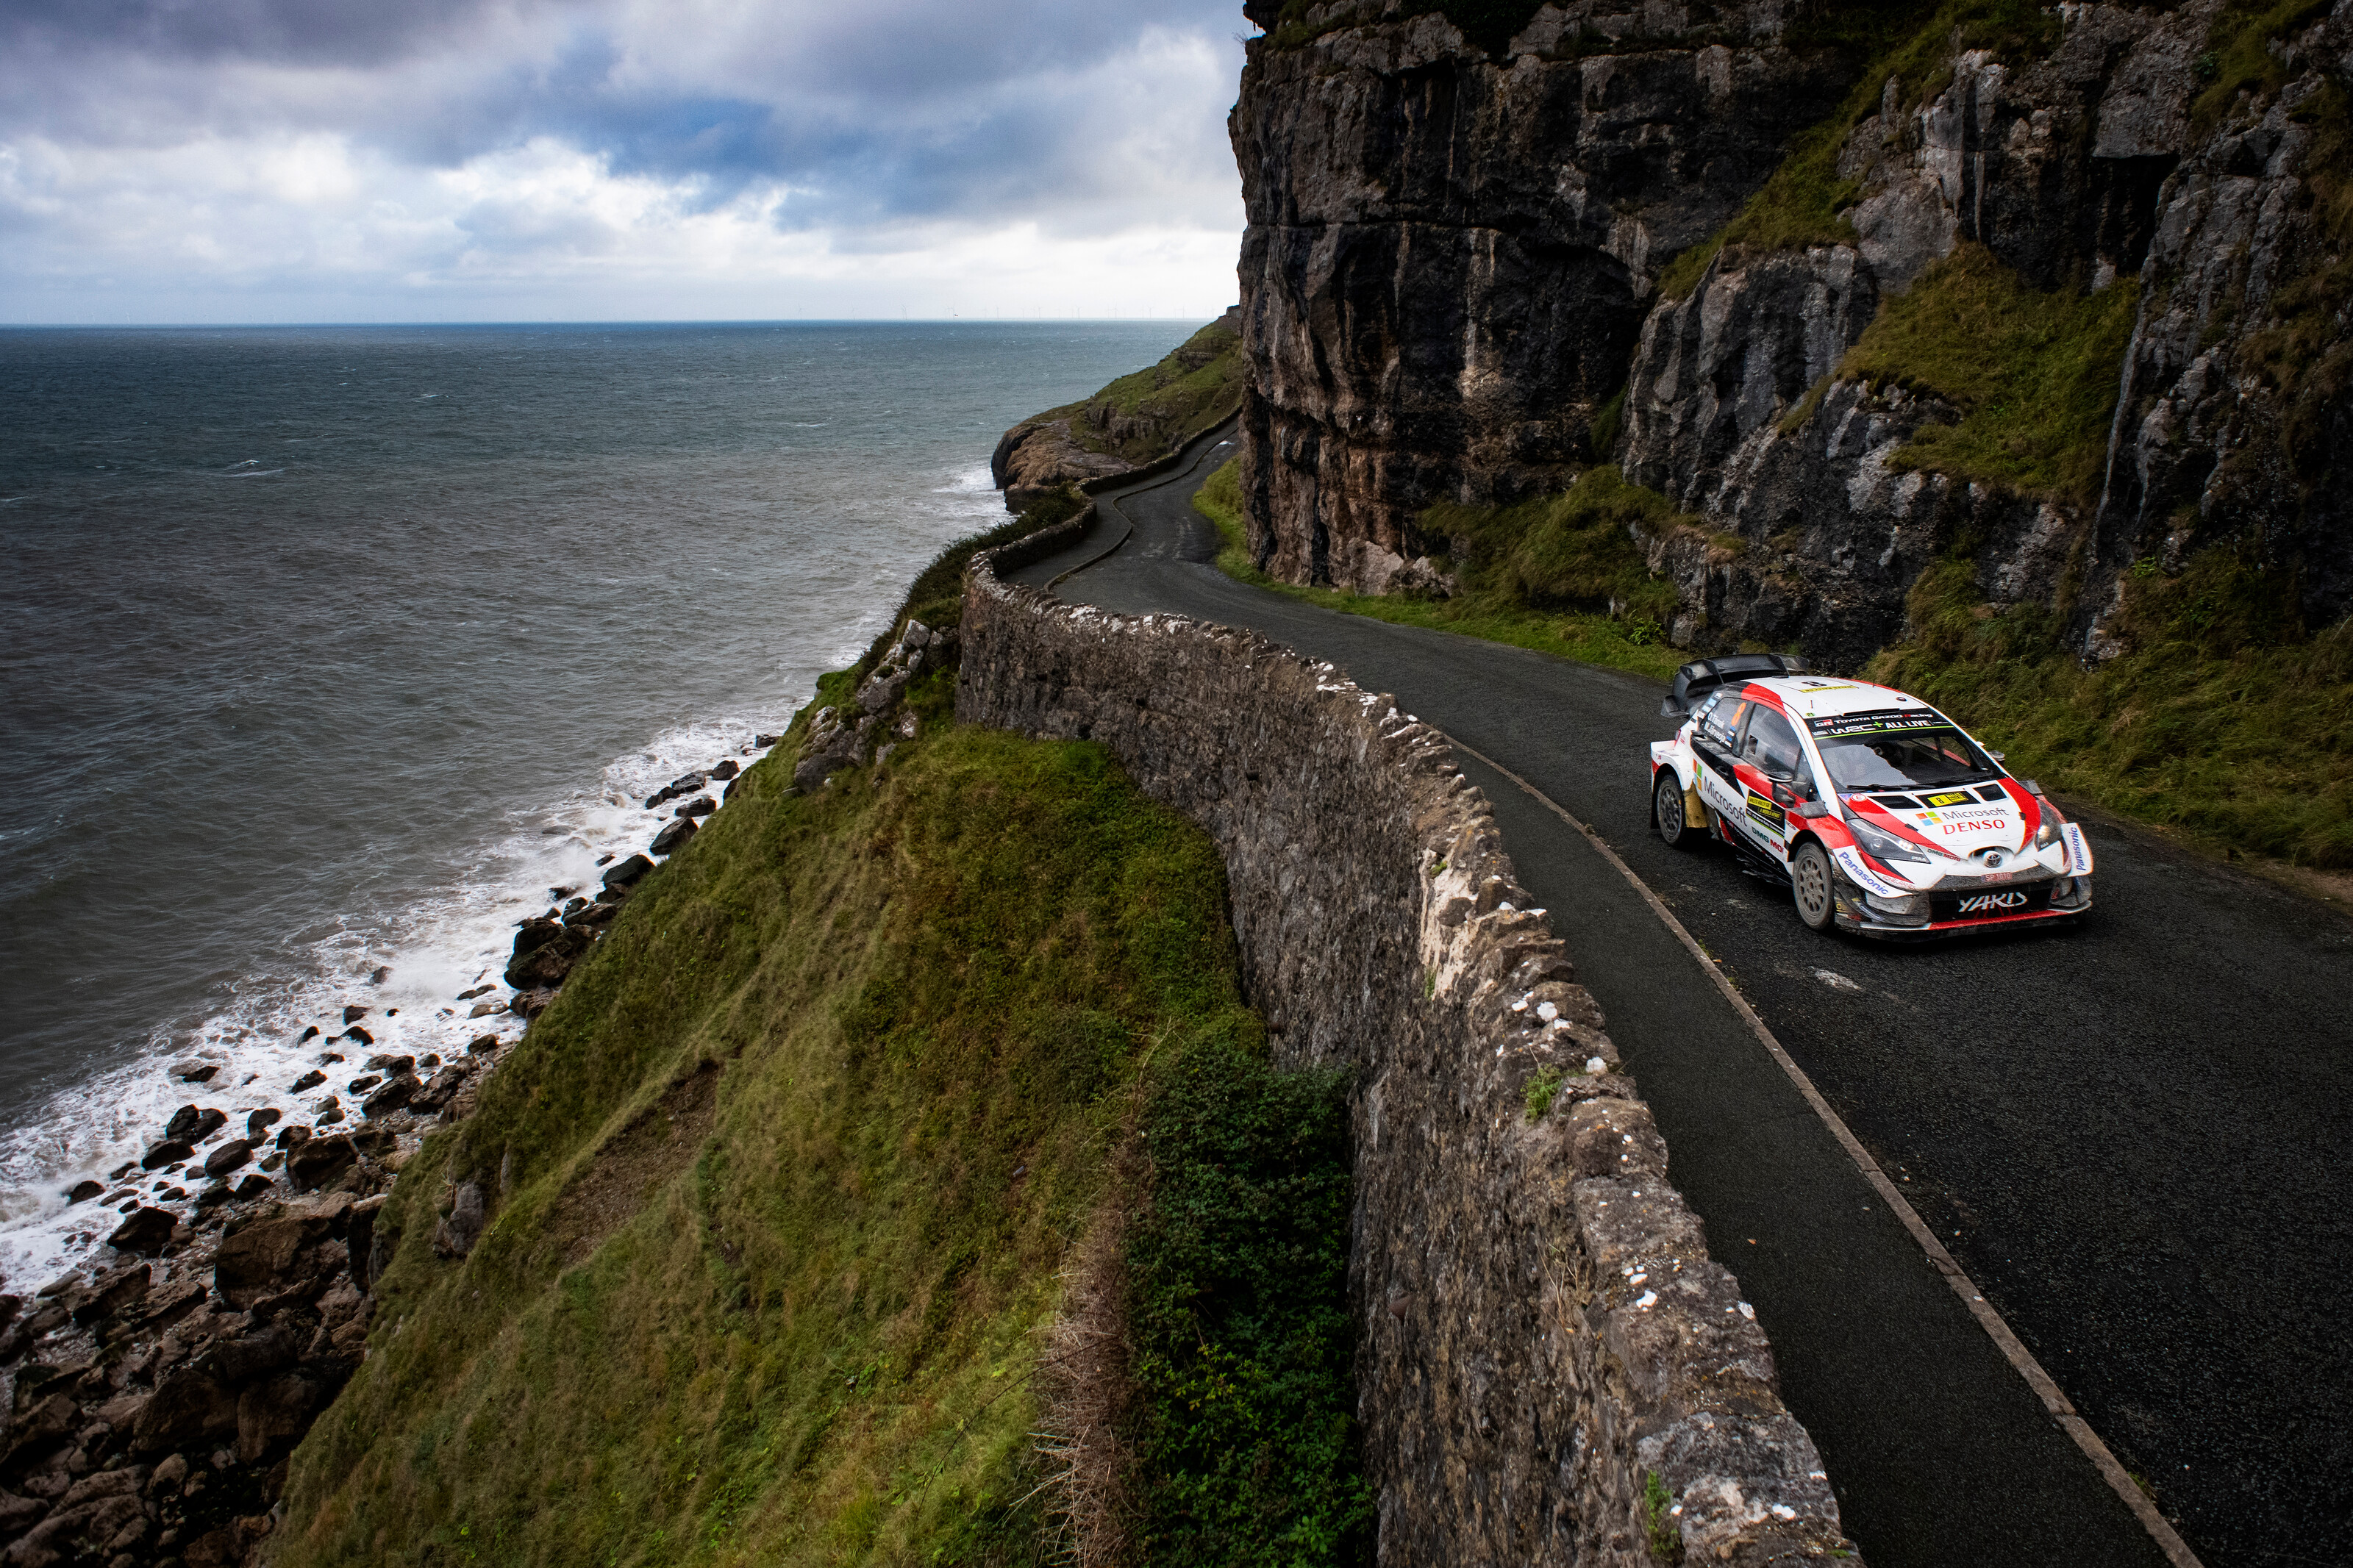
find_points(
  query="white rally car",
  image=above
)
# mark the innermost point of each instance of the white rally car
(1884, 816)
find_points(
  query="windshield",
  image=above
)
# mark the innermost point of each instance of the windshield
(1914, 759)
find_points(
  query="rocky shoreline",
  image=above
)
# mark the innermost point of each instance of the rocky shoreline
(151, 1396)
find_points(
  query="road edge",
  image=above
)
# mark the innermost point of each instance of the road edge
(2021, 1360)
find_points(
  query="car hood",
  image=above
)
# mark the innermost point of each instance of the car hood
(1958, 821)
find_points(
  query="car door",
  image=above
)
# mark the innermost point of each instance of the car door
(1770, 762)
(1716, 742)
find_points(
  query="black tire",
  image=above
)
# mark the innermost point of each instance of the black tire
(1813, 888)
(1667, 812)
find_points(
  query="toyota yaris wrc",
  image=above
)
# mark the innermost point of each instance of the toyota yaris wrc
(1882, 814)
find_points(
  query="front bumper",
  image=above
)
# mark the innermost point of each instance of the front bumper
(1966, 910)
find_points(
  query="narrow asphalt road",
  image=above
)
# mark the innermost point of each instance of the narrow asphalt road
(2134, 1136)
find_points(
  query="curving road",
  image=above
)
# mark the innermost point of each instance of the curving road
(2136, 1138)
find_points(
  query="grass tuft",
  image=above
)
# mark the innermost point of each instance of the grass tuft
(1560, 574)
(2222, 717)
(1804, 201)
(2033, 374)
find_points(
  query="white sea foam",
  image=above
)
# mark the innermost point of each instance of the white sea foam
(427, 953)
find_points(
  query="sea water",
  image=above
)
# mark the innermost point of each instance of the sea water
(330, 654)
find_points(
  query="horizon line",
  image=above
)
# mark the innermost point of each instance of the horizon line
(616, 321)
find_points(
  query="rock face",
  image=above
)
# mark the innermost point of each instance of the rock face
(1542, 1329)
(1450, 256)
(1454, 258)
(858, 730)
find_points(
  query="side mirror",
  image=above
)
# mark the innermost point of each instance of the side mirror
(1783, 795)
(1672, 708)
(1999, 756)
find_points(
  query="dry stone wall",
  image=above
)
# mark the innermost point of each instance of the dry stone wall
(1543, 1329)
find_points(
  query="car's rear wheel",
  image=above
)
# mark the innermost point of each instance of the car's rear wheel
(1811, 886)
(1667, 811)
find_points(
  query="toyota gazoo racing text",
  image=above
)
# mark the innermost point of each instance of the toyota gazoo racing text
(1886, 818)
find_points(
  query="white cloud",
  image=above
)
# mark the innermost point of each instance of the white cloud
(634, 162)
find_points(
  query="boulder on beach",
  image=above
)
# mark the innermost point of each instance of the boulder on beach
(627, 872)
(84, 1191)
(194, 1070)
(669, 840)
(146, 1230)
(188, 1124)
(228, 1157)
(320, 1160)
(546, 952)
(266, 1117)
(311, 1079)
(397, 1091)
(701, 805)
(353, 1014)
(360, 1034)
(169, 1152)
(390, 1064)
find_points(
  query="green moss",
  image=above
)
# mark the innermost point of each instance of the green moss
(1665, 1539)
(801, 1329)
(2033, 374)
(1543, 1088)
(1804, 201)
(1543, 574)
(2223, 718)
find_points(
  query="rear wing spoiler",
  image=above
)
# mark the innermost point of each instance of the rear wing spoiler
(1695, 680)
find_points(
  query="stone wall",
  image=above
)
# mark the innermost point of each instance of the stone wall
(1544, 1331)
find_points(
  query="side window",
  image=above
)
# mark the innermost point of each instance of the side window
(1720, 725)
(1772, 745)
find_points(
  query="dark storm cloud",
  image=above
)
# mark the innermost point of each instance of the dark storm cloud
(306, 32)
(904, 109)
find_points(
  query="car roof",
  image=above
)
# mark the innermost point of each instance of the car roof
(1821, 696)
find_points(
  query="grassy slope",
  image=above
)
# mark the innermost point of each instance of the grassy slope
(810, 1342)
(2033, 374)
(1197, 385)
(1575, 546)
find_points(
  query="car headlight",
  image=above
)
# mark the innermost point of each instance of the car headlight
(1883, 846)
(2048, 834)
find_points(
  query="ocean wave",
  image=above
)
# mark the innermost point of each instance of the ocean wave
(407, 967)
(976, 481)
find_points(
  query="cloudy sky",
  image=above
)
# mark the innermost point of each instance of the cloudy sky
(513, 160)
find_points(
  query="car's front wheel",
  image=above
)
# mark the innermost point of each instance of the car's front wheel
(1811, 886)
(1667, 812)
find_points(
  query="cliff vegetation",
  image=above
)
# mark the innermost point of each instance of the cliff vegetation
(1127, 424)
(1560, 574)
(788, 1190)
(1998, 349)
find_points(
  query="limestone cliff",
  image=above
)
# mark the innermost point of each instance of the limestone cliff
(1459, 251)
